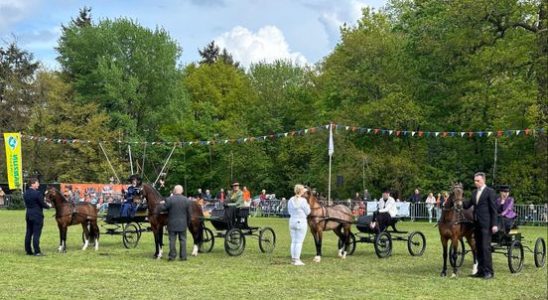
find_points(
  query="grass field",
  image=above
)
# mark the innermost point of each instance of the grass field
(114, 272)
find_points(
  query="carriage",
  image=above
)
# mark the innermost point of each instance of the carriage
(382, 241)
(130, 228)
(511, 245)
(231, 224)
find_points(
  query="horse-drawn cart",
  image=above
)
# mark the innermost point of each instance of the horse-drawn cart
(130, 228)
(511, 245)
(382, 239)
(231, 224)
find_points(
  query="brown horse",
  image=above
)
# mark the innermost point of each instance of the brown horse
(455, 222)
(68, 213)
(337, 218)
(158, 219)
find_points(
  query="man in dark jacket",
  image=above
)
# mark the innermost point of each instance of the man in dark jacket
(34, 202)
(485, 217)
(178, 208)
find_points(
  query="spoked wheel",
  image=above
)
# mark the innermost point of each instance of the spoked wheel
(208, 241)
(351, 246)
(461, 251)
(515, 256)
(131, 235)
(383, 244)
(540, 253)
(267, 240)
(416, 243)
(234, 242)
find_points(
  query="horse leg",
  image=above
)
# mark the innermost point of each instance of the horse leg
(444, 245)
(160, 241)
(197, 236)
(318, 242)
(61, 248)
(344, 238)
(472, 244)
(86, 235)
(455, 241)
(95, 233)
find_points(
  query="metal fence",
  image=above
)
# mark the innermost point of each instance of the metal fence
(527, 213)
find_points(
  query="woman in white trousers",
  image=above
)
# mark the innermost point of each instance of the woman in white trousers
(298, 209)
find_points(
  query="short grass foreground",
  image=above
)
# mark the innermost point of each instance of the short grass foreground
(114, 272)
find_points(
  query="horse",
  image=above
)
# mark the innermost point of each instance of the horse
(68, 213)
(158, 219)
(321, 218)
(456, 222)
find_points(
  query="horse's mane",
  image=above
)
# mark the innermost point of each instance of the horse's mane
(153, 191)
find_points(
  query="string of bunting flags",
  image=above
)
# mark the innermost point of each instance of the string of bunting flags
(311, 130)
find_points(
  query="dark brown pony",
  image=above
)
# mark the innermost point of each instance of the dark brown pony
(455, 223)
(337, 218)
(158, 219)
(68, 213)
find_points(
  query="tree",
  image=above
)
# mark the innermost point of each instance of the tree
(17, 96)
(210, 53)
(129, 70)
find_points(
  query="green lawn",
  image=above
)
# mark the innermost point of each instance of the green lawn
(116, 272)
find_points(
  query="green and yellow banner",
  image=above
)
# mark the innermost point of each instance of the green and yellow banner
(14, 160)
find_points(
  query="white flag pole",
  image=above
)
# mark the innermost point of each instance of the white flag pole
(330, 151)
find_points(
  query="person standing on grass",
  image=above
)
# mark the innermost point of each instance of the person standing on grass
(34, 202)
(430, 202)
(178, 209)
(485, 216)
(298, 210)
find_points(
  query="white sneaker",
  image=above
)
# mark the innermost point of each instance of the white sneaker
(298, 263)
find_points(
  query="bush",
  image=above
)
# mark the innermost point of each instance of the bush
(16, 201)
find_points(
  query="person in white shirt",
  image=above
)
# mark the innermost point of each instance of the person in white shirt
(386, 211)
(298, 209)
(430, 202)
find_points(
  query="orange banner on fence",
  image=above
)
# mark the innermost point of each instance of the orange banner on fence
(98, 188)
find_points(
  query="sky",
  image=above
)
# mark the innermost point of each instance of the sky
(303, 31)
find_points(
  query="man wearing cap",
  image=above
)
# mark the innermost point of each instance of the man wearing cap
(485, 217)
(387, 210)
(235, 202)
(237, 196)
(505, 205)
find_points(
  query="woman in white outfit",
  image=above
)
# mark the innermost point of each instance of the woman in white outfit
(298, 209)
(430, 202)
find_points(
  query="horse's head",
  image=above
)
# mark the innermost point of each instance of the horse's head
(53, 197)
(456, 197)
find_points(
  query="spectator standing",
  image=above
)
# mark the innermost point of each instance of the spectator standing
(430, 202)
(246, 195)
(415, 199)
(2, 197)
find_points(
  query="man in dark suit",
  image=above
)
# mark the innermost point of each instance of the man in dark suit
(34, 202)
(178, 208)
(485, 217)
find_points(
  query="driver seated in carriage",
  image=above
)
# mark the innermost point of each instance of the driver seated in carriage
(232, 209)
(386, 211)
(505, 208)
(129, 207)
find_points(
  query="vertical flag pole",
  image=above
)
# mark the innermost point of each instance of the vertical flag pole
(330, 151)
(130, 158)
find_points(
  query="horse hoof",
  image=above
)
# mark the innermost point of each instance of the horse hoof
(443, 274)
(454, 275)
(317, 259)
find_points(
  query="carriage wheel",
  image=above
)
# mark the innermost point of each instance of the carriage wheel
(234, 242)
(351, 246)
(540, 253)
(416, 243)
(461, 251)
(131, 235)
(383, 244)
(267, 240)
(515, 256)
(208, 241)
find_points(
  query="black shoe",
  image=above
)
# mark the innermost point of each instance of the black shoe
(182, 258)
(171, 259)
(39, 254)
(30, 253)
(477, 275)
(488, 276)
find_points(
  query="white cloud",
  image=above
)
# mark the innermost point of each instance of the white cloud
(12, 11)
(266, 45)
